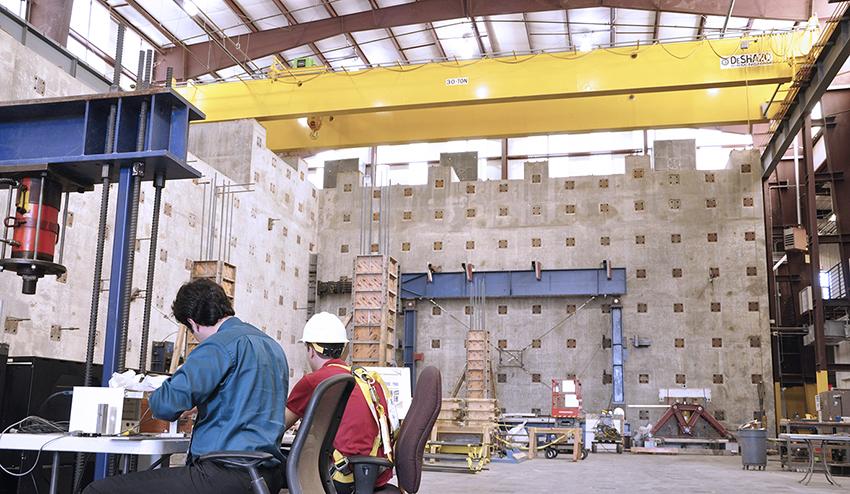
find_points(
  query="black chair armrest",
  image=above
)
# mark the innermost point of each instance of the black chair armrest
(366, 470)
(249, 460)
(370, 460)
(246, 456)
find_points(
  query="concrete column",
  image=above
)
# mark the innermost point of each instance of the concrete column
(52, 18)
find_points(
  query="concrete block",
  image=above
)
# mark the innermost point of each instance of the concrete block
(678, 154)
(334, 167)
(465, 164)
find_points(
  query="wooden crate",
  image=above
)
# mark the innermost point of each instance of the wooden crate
(221, 272)
(375, 299)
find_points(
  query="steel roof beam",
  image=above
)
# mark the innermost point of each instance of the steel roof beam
(825, 68)
(186, 61)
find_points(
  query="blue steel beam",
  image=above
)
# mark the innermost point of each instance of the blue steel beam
(617, 357)
(410, 340)
(503, 284)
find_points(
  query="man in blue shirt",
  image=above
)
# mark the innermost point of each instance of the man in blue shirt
(238, 379)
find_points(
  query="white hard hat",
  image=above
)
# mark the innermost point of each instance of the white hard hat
(324, 327)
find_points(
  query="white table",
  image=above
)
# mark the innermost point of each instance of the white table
(823, 439)
(123, 445)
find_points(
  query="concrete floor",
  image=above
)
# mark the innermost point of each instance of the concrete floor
(628, 474)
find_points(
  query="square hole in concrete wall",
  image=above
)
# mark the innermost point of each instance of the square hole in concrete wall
(346, 218)
(436, 311)
(643, 415)
(640, 239)
(673, 178)
(536, 242)
(343, 248)
(571, 343)
(501, 378)
(753, 306)
(755, 341)
(607, 378)
(746, 168)
(503, 187)
(715, 307)
(606, 308)
(467, 309)
(749, 236)
(438, 214)
(640, 205)
(535, 343)
(376, 194)
(711, 203)
(470, 188)
(604, 240)
(677, 272)
(637, 173)
(679, 343)
(405, 246)
(643, 378)
(439, 183)
(748, 202)
(709, 178)
(718, 379)
(604, 208)
(470, 244)
(714, 272)
(470, 213)
(717, 343)
(675, 203)
(571, 308)
(408, 191)
(569, 184)
(536, 210)
(346, 187)
(376, 216)
(503, 211)
(375, 247)
(435, 343)
(535, 411)
(680, 379)
(536, 309)
(641, 307)
(570, 209)
(571, 242)
(535, 178)
(503, 309)
(503, 244)
(678, 307)
(676, 238)
(752, 271)
(438, 245)
(407, 215)
(342, 311)
(756, 378)
(711, 237)
(720, 415)
(603, 183)
(502, 343)
(641, 273)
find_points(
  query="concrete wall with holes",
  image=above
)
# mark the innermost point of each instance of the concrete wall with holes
(692, 243)
(272, 257)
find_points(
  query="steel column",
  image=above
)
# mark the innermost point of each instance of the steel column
(410, 340)
(617, 355)
(118, 274)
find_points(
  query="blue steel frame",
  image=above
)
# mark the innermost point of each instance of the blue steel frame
(508, 284)
(67, 137)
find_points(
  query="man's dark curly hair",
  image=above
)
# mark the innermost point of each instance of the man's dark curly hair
(202, 301)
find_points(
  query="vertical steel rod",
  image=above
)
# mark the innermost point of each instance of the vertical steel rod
(159, 183)
(6, 229)
(62, 228)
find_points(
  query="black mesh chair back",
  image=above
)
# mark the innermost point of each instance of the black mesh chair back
(308, 465)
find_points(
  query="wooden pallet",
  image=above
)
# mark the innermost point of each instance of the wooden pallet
(375, 302)
(478, 364)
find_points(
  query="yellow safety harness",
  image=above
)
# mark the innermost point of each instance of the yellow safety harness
(367, 382)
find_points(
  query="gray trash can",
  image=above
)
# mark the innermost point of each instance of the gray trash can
(753, 444)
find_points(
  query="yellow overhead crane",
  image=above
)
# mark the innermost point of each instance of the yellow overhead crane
(706, 82)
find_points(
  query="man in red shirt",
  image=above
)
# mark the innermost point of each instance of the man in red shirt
(359, 434)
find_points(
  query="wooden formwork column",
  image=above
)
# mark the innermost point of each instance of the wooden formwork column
(478, 364)
(375, 302)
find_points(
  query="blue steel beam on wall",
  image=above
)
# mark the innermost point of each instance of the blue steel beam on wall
(504, 284)
(617, 357)
(410, 340)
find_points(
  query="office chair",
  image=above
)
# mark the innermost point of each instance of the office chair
(308, 464)
(410, 446)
